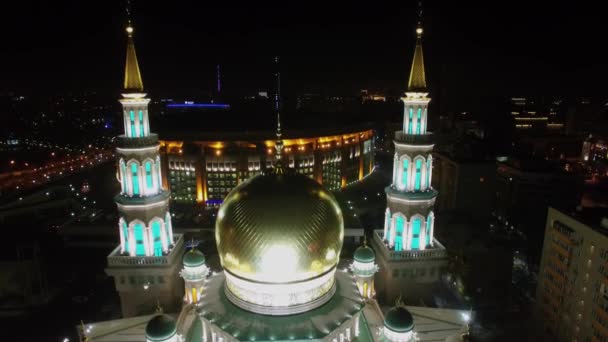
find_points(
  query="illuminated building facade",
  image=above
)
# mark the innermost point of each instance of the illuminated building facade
(572, 290)
(146, 258)
(205, 171)
(406, 244)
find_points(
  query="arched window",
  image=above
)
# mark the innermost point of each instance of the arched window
(158, 174)
(399, 223)
(138, 231)
(141, 123)
(387, 224)
(411, 118)
(406, 165)
(168, 228)
(125, 233)
(132, 123)
(429, 228)
(135, 179)
(417, 179)
(149, 183)
(416, 223)
(158, 247)
(419, 120)
(123, 175)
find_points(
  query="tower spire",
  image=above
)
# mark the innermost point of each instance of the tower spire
(417, 81)
(277, 101)
(133, 82)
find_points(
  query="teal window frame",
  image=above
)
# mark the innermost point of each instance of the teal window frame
(418, 127)
(406, 164)
(399, 226)
(135, 179)
(138, 232)
(428, 172)
(409, 127)
(418, 179)
(123, 169)
(416, 226)
(125, 232)
(141, 123)
(149, 182)
(132, 123)
(156, 234)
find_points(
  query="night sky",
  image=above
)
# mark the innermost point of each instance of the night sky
(512, 47)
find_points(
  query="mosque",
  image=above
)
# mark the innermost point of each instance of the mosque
(279, 236)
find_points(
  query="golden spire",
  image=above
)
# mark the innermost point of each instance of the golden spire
(133, 81)
(84, 336)
(417, 80)
(159, 309)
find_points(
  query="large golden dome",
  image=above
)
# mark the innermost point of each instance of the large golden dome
(279, 228)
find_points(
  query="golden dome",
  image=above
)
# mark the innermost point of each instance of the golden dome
(279, 228)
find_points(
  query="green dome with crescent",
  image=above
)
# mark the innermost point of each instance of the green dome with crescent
(161, 328)
(399, 319)
(364, 254)
(194, 258)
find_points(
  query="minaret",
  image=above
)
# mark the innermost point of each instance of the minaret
(143, 261)
(194, 273)
(409, 214)
(364, 268)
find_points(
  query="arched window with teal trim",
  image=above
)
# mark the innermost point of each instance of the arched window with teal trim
(135, 178)
(411, 118)
(141, 123)
(399, 233)
(149, 183)
(132, 123)
(418, 175)
(138, 231)
(158, 173)
(125, 233)
(168, 227)
(158, 246)
(388, 224)
(123, 175)
(406, 165)
(416, 223)
(419, 121)
(429, 226)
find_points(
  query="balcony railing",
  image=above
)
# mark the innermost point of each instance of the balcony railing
(414, 139)
(115, 259)
(139, 142)
(438, 251)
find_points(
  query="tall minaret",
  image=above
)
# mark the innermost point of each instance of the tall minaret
(141, 262)
(410, 198)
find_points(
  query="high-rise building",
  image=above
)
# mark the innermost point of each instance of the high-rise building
(407, 247)
(572, 290)
(145, 265)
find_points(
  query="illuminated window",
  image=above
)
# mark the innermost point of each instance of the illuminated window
(158, 248)
(125, 232)
(149, 175)
(418, 174)
(168, 228)
(416, 233)
(404, 174)
(135, 179)
(418, 121)
(428, 172)
(132, 117)
(141, 123)
(409, 127)
(139, 239)
(399, 233)
(123, 175)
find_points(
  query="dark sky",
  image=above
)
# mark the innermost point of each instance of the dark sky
(471, 48)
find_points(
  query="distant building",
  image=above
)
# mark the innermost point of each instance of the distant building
(538, 115)
(572, 292)
(467, 185)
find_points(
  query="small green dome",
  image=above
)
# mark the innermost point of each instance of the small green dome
(161, 328)
(194, 258)
(365, 254)
(398, 319)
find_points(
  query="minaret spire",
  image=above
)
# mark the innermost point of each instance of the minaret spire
(133, 82)
(277, 101)
(417, 81)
